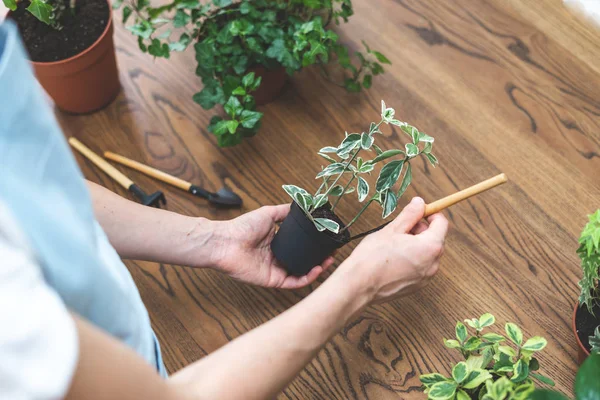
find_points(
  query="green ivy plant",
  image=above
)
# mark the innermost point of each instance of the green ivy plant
(230, 38)
(492, 370)
(344, 161)
(49, 12)
(589, 253)
(587, 384)
(595, 341)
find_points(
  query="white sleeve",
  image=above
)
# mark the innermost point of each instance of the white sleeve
(38, 338)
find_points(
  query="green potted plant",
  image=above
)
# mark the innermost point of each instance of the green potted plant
(312, 230)
(245, 48)
(587, 384)
(586, 316)
(495, 367)
(71, 48)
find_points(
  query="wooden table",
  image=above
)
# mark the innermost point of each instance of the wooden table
(503, 85)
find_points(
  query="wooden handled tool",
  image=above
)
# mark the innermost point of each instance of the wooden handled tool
(224, 197)
(448, 201)
(154, 200)
(464, 194)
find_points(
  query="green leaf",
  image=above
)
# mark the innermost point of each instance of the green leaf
(233, 106)
(388, 175)
(587, 384)
(423, 137)
(390, 203)
(475, 362)
(442, 391)
(362, 188)
(248, 79)
(324, 223)
(126, 13)
(11, 4)
(476, 378)
(181, 44)
(320, 200)
(143, 29)
(460, 371)
(42, 11)
(239, 91)
(432, 159)
(486, 320)
(367, 81)
(509, 351)
(181, 19)
(520, 371)
(209, 97)
(542, 378)
(451, 343)
(350, 143)
(386, 154)
(461, 332)
(249, 119)
(328, 149)
(304, 201)
(493, 337)
(500, 388)
(544, 394)
(595, 341)
(411, 150)
(462, 395)
(536, 343)
(430, 379)
(158, 49)
(292, 190)
(514, 333)
(406, 180)
(224, 126)
(472, 344)
(473, 323)
(381, 58)
(332, 169)
(365, 168)
(366, 141)
(222, 3)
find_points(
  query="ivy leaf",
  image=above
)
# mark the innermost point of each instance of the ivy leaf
(542, 378)
(362, 188)
(381, 58)
(366, 141)
(429, 380)
(181, 19)
(388, 175)
(332, 169)
(248, 80)
(385, 155)
(412, 150)
(222, 3)
(12, 4)
(224, 126)
(249, 119)
(461, 332)
(41, 10)
(536, 343)
(324, 223)
(442, 391)
(476, 378)
(514, 333)
(158, 49)
(143, 29)
(390, 203)
(233, 106)
(406, 180)
(486, 320)
(367, 81)
(181, 44)
(126, 14)
(520, 371)
(460, 371)
(209, 97)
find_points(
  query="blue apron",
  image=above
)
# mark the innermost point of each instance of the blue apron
(45, 190)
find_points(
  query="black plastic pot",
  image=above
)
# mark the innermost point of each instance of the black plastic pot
(299, 246)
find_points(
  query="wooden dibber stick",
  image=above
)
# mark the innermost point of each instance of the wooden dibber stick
(464, 194)
(448, 201)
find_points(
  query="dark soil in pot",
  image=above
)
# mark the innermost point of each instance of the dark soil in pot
(299, 246)
(586, 324)
(79, 32)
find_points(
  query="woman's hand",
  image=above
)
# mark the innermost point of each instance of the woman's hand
(399, 259)
(242, 250)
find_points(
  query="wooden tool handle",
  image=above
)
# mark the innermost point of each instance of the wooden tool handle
(101, 163)
(153, 172)
(448, 201)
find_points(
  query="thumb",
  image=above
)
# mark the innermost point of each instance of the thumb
(410, 216)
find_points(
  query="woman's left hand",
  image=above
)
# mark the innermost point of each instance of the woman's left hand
(242, 250)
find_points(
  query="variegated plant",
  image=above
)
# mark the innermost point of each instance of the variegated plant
(344, 160)
(491, 370)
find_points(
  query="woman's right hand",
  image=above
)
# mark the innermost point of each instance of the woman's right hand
(399, 259)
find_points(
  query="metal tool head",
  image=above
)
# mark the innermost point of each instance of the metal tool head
(152, 200)
(223, 198)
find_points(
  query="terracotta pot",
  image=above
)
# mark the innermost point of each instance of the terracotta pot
(272, 84)
(582, 352)
(87, 81)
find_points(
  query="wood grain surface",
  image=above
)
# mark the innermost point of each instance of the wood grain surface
(503, 85)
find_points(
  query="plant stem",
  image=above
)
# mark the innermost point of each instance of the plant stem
(342, 173)
(359, 213)
(343, 191)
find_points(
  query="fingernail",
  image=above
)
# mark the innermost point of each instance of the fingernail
(417, 200)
